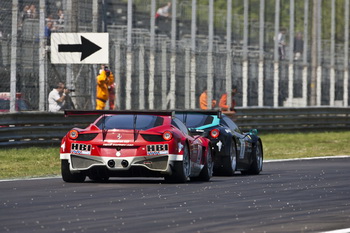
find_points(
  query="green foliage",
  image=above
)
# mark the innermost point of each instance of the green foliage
(220, 12)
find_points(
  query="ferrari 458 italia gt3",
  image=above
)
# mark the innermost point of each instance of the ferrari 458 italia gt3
(134, 143)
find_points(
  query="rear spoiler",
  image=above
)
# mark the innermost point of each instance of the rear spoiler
(118, 112)
(203, 112)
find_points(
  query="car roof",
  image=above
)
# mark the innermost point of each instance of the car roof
(119, 112)
(216, 116)
(218, 113)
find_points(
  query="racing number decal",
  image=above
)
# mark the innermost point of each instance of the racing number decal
(161, 149)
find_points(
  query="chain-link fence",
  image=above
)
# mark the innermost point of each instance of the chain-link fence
(173, 59)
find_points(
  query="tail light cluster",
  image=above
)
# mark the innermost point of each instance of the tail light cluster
(214, 133)
(73, 134)
(167, 135)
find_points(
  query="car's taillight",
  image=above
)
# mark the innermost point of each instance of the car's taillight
(73, 134)
(215, 133)
(167, 135)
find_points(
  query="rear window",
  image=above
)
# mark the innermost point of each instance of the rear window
(195, 120)
(140, 122)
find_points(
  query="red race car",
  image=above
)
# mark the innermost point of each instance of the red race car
(134, 143)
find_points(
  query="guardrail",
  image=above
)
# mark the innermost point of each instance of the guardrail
(293, 119)
(45, 128)
(38, 128)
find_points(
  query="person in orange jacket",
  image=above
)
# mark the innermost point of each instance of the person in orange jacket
(223, 101)
(203, 104)
(104, 80)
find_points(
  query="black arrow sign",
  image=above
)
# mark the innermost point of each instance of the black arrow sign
(86, 48)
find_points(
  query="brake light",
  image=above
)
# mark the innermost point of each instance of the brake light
(215, 133)
(167, 135)
(73, 134)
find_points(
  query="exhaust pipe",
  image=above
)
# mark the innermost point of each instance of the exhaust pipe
(111, 163)
(125, 163)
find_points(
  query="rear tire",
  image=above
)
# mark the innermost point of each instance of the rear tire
(257, 160)
(181, 169)
(207, 170)
(67, 176)
(230, 162)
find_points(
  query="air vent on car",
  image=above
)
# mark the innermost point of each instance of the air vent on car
(153, 138)
(86, 137)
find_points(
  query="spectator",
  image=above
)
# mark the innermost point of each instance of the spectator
(50, 19)
(298, 46)
(281, 38)
(60, 19)
(163, 12)
(57, 98)
(32, 12)
(203, 101)
(223, 101)
(48, 30)
(103, 80)
(23, 16)
(25, 13)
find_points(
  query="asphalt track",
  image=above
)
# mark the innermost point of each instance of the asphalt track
(288, 196)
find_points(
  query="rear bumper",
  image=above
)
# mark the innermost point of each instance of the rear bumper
(155, 163)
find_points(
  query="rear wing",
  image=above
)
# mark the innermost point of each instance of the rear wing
(203, 112)
(118, 112)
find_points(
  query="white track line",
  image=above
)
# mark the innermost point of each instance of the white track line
(311, 158)
(32, 178)
(338, 231)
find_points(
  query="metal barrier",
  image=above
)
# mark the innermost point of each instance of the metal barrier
(38, 128)
(293, 119)
(45, 128)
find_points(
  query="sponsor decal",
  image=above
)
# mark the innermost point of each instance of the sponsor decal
(119, 136)
(118, 141)
(180, 146)
(80, 149)
(116, 144)
(161, 149)
(219, 144)
(242, 151)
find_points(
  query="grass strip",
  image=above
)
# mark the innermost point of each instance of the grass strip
(29, 162)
